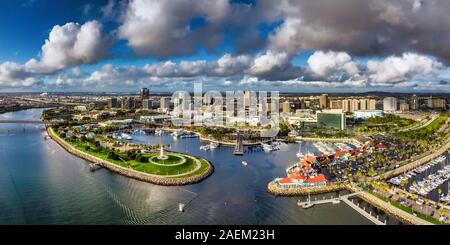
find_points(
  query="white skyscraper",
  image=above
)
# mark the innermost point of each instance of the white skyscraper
(389, 104)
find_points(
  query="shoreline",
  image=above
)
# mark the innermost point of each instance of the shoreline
(226, 143)
(374, 201)
(131, 173)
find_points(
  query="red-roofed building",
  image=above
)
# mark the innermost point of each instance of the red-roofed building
(317, 180)
(285, 181)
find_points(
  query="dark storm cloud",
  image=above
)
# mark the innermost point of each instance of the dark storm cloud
(370, 27)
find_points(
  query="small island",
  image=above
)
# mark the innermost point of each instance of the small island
(140, 162)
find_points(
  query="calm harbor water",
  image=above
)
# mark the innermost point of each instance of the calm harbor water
(40, 183)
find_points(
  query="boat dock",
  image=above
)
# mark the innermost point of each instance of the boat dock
(239, 148)
(363, 211)
(346, 200)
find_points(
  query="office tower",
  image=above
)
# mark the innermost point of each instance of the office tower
(363, 104)
(346, 105)
(414, 102)
(354, 105)
(147, 104)
(286, 107)
(389, 104)
(165, 103)
(112, 103)
(145, 93)
(128, 103)
(336, 104)
(323, 101)
(331, 119)
(371, 104)
(404, 106)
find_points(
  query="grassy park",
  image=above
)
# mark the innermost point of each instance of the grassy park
(174, 165)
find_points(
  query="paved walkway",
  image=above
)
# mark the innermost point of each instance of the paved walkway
(389, 208)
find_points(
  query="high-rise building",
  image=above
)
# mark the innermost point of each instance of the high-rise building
(414, 102)
(331, 119)
(346, 105)
(286, 107)
(112, 102)
(363, 103)
(323, 101)
(128, 103)
(437, 103)
(371, 104)
(404, 106)
(389, 104)
(145, 93)
(354, 105)
(147, 104)
(336, 104)
(165, 103)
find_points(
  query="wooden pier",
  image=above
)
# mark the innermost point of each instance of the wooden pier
(239, 148)
(344, 198)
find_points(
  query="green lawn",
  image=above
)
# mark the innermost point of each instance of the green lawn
(146, 167)
(163, 170)
(425, 132)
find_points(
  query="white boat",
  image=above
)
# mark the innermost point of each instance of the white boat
(267, 147)
(158, 131)
(178, 132)
(205, 147)
(336, 201)
(126, 136)
(244, 163)
(181, 207)
(213, 145)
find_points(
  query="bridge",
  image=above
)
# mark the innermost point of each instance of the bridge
(347, 201)
(22, 121)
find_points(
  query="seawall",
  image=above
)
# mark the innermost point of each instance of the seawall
(150, 178)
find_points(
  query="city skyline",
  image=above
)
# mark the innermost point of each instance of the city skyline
(287, 46)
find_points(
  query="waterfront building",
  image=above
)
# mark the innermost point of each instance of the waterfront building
(390, 104)
(323, 101)
(331, 119)
(364, 114)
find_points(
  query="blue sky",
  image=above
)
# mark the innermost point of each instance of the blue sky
(106, 45)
